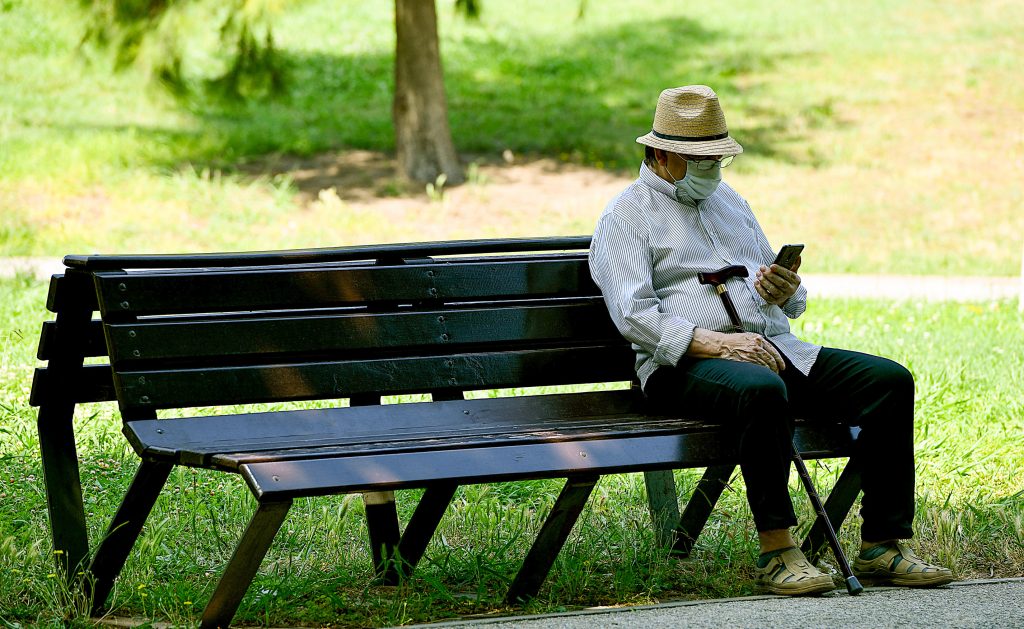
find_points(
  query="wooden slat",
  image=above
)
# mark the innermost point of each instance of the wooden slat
(536, 433)
(479, 465)
(228, 341)
(166, 388)
(317, 477)
(62, 295)
(405, 426)
(95, 383)
(194, 291)
(332, 254)
(94, 343)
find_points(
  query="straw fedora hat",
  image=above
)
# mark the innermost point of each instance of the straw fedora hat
(690, 121)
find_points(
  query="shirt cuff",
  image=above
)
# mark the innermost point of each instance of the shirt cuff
(795, 305)
(675, 340)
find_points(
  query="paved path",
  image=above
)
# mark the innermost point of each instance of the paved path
(923, 287)
(989, 603)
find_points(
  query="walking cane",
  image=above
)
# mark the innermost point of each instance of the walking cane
(718, 279)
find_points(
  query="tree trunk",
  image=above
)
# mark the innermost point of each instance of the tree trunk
(423, 140)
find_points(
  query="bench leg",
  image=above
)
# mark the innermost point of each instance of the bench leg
(699, 507)
(551, 538)
(56, 428)
(421, 527)
(63, 488)
(244, 563)
(661, 498)
(381, 518)
(837, 506)
(124, 530)
(382, 524)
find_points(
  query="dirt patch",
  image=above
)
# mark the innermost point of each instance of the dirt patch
(365, 180)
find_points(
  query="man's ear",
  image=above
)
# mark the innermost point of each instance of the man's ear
(661, 156)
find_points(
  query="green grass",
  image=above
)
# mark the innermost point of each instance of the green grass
(880, 134)
(968, 361)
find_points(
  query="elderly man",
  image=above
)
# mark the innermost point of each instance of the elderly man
(679, 219)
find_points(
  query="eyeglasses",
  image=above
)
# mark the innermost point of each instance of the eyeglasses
(707, 164)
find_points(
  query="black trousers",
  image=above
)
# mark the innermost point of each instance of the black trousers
(873, 393)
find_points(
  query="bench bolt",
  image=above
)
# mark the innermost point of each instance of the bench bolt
(122, 287)
(144, 399)
(136, 353)
(131, 334)
(124, 304)
(142, 380)
(445, 337)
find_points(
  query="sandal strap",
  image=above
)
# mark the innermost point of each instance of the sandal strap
(902, 560)
(793, 566)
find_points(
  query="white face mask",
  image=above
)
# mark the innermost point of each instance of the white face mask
(697, 184)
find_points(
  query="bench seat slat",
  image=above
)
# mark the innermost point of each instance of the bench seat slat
(439, 424)
(524, 433)
(391, 471)
(140, 294)
(380, 472)
(172, 388)
(218, 341)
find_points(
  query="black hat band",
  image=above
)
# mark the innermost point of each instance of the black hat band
(688, 138)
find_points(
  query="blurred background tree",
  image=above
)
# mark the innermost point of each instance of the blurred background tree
(154, 34)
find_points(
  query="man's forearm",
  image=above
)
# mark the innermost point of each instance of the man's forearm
(745, 347)
(705, 344)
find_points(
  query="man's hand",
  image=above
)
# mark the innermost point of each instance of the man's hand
(776, 284)
(744, 347)
(748, 347)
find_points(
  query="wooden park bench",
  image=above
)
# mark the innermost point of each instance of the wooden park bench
(361, 323)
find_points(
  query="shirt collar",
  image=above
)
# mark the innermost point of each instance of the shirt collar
(652, 180)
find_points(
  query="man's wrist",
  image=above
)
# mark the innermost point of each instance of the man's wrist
(705, 344)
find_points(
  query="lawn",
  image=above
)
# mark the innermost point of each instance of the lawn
(968, 361)
(887, 135)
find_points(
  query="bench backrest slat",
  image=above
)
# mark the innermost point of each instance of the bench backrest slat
(95, 343)
(173, 388)
(94, 383)
(223, 340)
(135, 294)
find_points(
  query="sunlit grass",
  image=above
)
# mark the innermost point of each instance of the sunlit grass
(883, 136)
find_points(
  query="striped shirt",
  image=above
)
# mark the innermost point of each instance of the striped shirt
(645, 256)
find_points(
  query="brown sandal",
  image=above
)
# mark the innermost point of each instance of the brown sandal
(791, 574)
(898, 565)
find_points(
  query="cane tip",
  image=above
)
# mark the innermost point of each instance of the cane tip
(853, 586)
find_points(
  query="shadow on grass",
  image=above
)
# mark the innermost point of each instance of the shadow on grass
(582, 99)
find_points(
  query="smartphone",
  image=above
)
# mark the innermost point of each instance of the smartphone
(788, 255)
